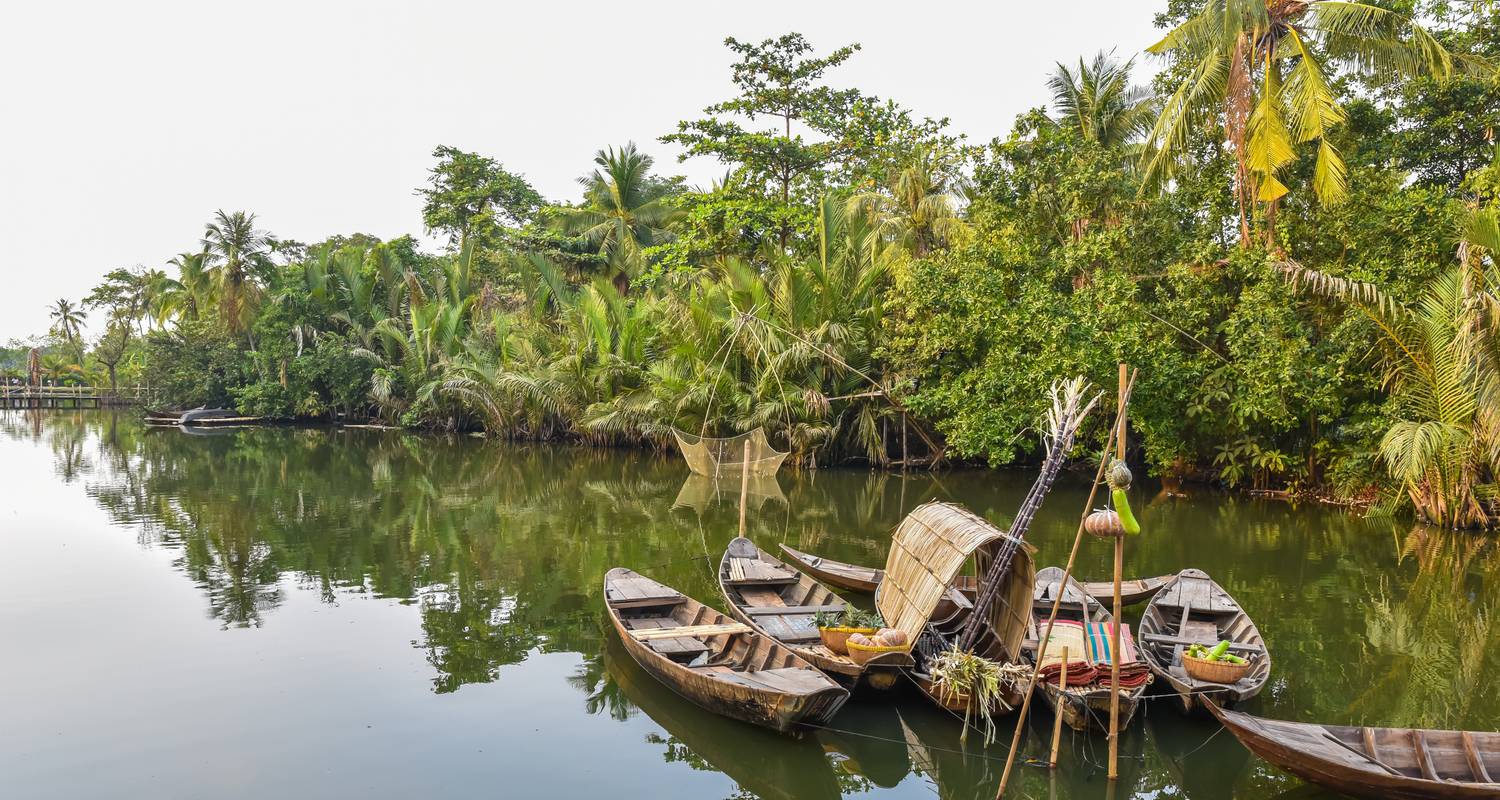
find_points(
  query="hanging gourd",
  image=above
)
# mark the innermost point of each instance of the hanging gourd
(1104, 524)
(1119, 486)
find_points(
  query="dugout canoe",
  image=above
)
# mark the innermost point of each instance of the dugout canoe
(1193, 609)
(856, 578)
(779, 602)
(723, 666)
(1401, 763)
(1084, 708)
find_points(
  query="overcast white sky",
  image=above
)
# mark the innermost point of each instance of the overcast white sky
(125, 125)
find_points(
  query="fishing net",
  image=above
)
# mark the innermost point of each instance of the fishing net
(715, 457)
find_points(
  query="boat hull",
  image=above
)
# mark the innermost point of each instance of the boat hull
(1089, 711)
(1312, 753)
(780, 713)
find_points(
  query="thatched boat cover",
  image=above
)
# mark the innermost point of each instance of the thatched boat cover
(928, 552)
(726, 456)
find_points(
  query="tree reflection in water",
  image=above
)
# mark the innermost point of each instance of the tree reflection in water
(500, 548)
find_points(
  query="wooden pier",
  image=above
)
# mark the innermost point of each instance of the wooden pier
(12, 397)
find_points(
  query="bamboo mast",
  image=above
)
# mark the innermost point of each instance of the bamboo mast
(1114, 636)
(1057, 714)
(1015, 741)
(744, 485)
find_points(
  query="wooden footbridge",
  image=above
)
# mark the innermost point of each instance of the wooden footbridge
(26, 396)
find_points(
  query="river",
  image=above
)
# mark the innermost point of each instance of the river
(314, 612)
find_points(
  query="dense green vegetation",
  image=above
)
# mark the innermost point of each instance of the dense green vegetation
(1291, 233)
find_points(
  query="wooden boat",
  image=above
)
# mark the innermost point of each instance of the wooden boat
(855, 578)
(931, 547)
(836, 573)
(780, 602)
(202, 415)
(1409, 764)
(1084, 708)
(723, 666)
(1192, 609)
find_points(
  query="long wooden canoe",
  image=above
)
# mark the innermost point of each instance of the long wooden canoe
(1408, 764)
(855, 578)
(1193, 609)
(780, 602)
(1084, 708)
(722, 665)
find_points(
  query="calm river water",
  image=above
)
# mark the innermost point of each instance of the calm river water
(323, 613)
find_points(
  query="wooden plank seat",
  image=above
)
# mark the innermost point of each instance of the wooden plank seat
(1181, 641)
(789, 679)
(689, 631)
(763, 610)
(639, 592)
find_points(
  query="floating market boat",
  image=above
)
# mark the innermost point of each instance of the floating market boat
(1193, 609)
(722, 665)
(780, 602)
(1083, 626)
(1403, 763)
(855, 578)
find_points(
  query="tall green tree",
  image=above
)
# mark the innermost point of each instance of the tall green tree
(1097, 99)
(472, 196)
(777, 81)
(67, 320)
(625, 211)
(236, 253)
(1264, 71)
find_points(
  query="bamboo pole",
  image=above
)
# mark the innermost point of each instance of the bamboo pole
(1057, 713)
(1015, 740)
(1114, 636)
(744, 485)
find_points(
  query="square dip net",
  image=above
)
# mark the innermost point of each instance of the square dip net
(715, 457)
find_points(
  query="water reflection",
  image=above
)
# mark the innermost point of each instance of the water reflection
(499, 551)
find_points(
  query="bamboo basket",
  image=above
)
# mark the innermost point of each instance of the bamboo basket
(862, 653)
(1214, 671)
(837, 639)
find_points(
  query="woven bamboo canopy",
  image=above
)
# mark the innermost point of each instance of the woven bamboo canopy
(929, 551)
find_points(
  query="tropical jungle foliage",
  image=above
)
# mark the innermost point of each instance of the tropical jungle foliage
(1286, 231)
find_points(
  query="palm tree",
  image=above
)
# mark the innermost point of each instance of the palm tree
(916, 211)
(624, 212)
(188, 294)
(234, 250)
(67, 320)
(1442, 369)
(1263, 69)
(1098, 101)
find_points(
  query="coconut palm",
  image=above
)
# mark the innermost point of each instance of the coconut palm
(1098, 101)
(234, 252)
(1263, 70)
(916, 211)
(187, 295)
(67, 320)
(624, 212)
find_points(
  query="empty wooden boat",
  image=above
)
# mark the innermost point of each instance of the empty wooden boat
(1084, 707)
(1409, 764)
(1193, 609)
(722, 665)
(780, 602)
(837, 574)
(855, 578)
